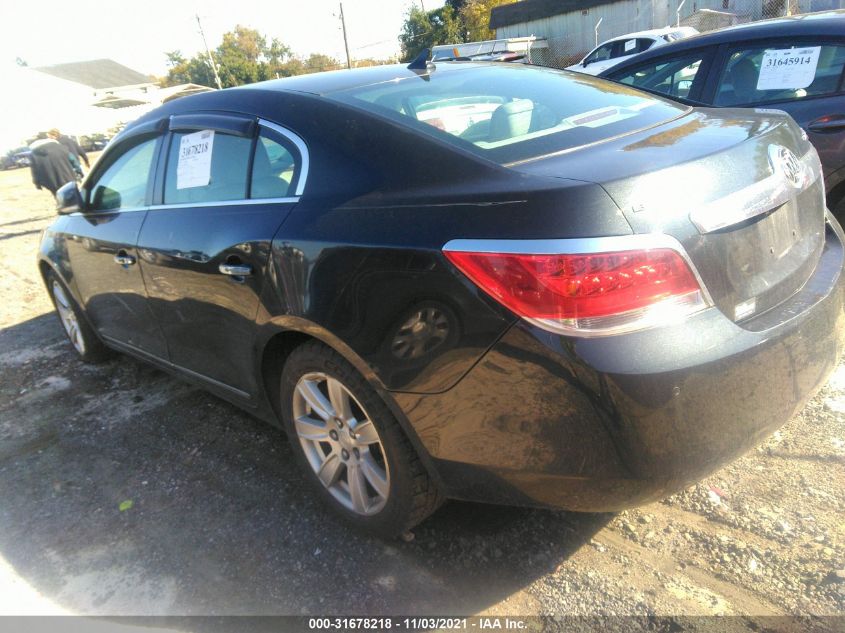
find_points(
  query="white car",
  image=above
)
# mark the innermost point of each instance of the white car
(619, 49)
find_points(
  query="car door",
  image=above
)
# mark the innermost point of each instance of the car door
(803, 78)
(222, 192)
(102, 244)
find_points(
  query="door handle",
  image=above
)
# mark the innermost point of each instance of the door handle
(828, 123)
(235, 270)
(123, 258)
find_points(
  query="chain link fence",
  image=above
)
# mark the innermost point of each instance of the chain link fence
(560, 52)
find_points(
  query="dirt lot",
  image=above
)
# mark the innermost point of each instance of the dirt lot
(220, 522)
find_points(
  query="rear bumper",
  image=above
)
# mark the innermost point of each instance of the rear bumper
(607, 423)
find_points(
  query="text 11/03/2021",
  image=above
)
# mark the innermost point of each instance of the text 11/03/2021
(480, 623)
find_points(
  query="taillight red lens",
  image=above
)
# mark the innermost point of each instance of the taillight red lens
(580, 286)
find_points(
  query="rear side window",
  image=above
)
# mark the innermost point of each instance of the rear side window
(275, 168)
(784, 73)
(673, 78)
(123, 184)
(639, 45)
(511, 112)
(206, 166)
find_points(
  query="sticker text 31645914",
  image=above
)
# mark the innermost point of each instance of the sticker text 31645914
(788, 69)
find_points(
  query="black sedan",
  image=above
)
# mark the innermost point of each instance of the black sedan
(795, 64)
(470, 280)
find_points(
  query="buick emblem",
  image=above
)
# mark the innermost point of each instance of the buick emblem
(783, 161)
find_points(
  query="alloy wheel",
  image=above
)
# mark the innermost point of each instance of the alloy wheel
(341, 443)
(68, 317)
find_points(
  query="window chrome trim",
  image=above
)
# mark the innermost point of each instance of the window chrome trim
(300, 183)
(300, 145)
(108, 211)
(225, 203)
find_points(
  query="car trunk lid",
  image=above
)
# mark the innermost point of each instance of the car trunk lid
(741, 191)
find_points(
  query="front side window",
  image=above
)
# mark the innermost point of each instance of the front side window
(123, 185)
(768, 74)
(206, 166)
(601, 54)
(673, 77)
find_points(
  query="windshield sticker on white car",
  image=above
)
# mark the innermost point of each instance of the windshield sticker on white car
(630, 45)
(788, 69)
(194, 166)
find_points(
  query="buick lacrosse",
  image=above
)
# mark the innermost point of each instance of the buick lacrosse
(477, 281)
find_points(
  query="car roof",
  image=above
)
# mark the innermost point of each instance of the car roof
(648, 33)
(335, 80)
(826, 23)
(315, 85)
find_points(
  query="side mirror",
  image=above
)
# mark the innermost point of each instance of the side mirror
(68, 199)
(584, 63)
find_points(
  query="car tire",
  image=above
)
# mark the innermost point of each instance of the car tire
(353, 450)
(82, 337)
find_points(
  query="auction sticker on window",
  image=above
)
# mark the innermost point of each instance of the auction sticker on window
(194, 166)
(788, 69)
(630, 45)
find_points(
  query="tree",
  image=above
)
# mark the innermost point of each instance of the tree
(241, 57)
(183, 71)
(174, 58)
(475, 15)
(424, 29)
(371, 61)
(317, 62)
(244, 56)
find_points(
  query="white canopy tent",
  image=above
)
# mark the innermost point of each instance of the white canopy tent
(36, 102)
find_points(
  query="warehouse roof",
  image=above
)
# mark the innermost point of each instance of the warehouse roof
(97, 74)
(529, 10)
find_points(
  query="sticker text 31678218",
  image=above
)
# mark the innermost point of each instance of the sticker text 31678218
(194, 166)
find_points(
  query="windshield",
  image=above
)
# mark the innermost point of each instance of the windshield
(509, 113)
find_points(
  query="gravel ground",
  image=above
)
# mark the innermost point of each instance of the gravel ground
(221, 523)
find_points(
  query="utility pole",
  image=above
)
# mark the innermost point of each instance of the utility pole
(210, 58)
(345, 43)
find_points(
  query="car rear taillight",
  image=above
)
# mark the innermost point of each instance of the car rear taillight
(585, 293)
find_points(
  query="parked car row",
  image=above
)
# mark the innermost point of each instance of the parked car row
(794, 64)
(620, 49)
(16, 158)
(94, 142)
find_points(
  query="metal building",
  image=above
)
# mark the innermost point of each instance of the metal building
(572, 26)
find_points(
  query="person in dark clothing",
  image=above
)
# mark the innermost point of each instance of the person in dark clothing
(51, 167)
(72, 146)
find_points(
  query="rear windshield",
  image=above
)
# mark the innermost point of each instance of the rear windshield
(508, 113)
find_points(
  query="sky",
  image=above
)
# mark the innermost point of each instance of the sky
(137, 34)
